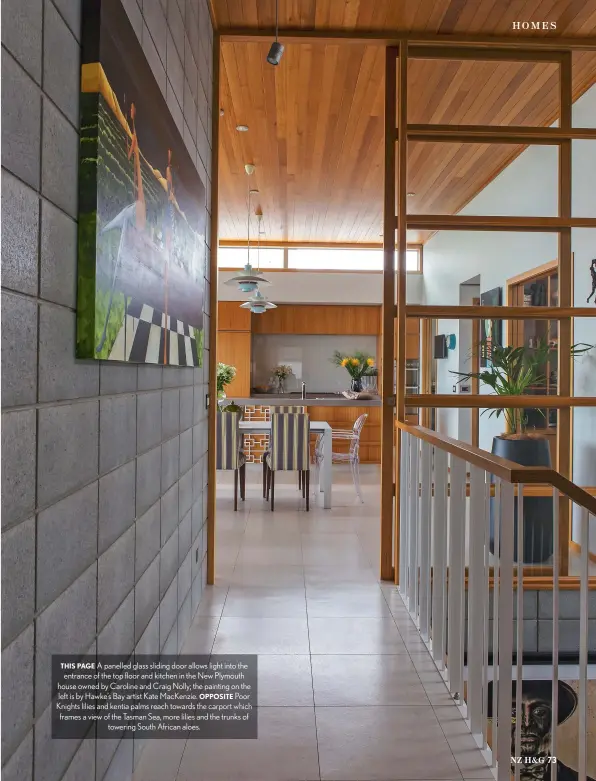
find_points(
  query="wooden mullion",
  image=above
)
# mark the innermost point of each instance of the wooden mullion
(491, 134)
(497, 223)
(426, 366)
(482, 401)
(498, 312)
(388, 312)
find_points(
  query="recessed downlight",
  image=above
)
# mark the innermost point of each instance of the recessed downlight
(411, 195)
(242, 128)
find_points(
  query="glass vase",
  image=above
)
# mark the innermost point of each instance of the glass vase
(356, 385)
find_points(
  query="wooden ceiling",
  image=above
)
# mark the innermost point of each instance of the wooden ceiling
(316, 121)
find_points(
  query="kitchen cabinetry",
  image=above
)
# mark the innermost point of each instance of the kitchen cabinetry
(234, 345)
(319, 319)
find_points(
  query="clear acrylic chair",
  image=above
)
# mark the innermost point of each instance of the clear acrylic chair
(352, 457)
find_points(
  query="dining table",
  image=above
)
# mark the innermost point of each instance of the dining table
(319, 427)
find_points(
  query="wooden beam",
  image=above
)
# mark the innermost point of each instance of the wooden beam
(565, 280)
(387, 394)
(424, 45)
(426, 342)
(494, 223)
(468, 400)
(211, 419)
(311, 245)
(498, 312)
(490, 134)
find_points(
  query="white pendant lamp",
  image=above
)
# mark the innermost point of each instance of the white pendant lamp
(257, 303)
(247, 280)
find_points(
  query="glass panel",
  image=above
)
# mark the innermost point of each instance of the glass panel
(346, 259)
(236, 257)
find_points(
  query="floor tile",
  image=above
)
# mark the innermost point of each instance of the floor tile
(261, 636)
(383, 743)
(354, 636)
(201, 635)
(254, 601)
(366, 680)
(329, 601)
(286, 750)
(285, 680)
(245, 574)
(212, 601)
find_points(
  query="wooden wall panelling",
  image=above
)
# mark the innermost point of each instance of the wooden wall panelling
(233, 347)
(319, 319)
(231, 317)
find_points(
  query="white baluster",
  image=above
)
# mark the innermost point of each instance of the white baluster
(403, 512)
(413, 529)
(583, 645)
(486, 603)
(455, 605)
(475, 597)
(496, 578)
(425, 497)
(519, 650)
(503, 728)
(439, 556)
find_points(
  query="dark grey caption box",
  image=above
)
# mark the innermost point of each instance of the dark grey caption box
(155, 696)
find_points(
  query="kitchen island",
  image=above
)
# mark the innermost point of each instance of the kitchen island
(339, 412)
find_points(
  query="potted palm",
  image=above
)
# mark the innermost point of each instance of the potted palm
(514, 371)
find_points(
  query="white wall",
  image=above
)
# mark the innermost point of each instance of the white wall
(528, 187)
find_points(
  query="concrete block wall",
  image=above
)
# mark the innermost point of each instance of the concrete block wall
(104, 465)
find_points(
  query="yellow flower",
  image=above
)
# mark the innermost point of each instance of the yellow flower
(370, 361)
(354, 361)
(344, 362)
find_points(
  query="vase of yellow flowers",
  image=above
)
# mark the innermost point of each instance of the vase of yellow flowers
(358, 365)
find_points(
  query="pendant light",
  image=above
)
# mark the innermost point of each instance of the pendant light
(257, 303)
(247, 280)
(277, 49)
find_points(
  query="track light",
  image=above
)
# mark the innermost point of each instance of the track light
(277, 48)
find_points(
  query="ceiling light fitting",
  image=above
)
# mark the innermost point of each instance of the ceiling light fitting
(411, 195)
(258, 304)
(277, 49)
(242, 128)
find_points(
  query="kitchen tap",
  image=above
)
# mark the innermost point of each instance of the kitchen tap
(303, 390)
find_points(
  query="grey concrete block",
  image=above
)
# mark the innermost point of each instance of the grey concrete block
(197, 478)
(135, 17)
(186, 375)
(116, 504)
(192, 29)
(17, 691)
(184, 536)
(168, 563)
(121, 765)
(59, 160)
(568, 604)
(170, 462)
(20, 228)
(18, 577)
(170, 413)
(61, 56)
(171, 644)
(196, 592)
(184, 494)
(185, 451)
(18, 466)
(148, 420)
(52, 757)
(176, 25)
(147, 538)
(117, 377)
(202, 107)
(117, 431)
(568, 636)
(171, 376)
(169, 513)
(149, 377)
(21, 113)
(19, 350)
(115, 576)
(203, 147)
(66, 542)
(117, 636)
(83, 762)
(58, 250)
(176, 112)
(22, 33)
(67, 448)
(149, 641)
(190, 110)
(199, 409)
(20, 765)
(186, 408)
(71, 11)
(189, 143)
(156, 23)
(197, 518)
(148, 479)
(175, 71)
(191, 70)
(184, 579)
(156, 63)
(184, 621)
(146, 597)
(67, 626)
(168, 610)
(61, 376)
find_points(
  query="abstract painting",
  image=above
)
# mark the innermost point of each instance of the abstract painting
(491, 330)
(142, 211)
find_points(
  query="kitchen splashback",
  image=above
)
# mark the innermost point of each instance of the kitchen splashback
(309, 357)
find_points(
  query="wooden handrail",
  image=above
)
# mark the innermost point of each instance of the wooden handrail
(494, 401)
(485, 134)
(507, 470)
(498, 312)
(457, 222)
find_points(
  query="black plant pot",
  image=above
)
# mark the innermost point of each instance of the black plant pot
(538, 510)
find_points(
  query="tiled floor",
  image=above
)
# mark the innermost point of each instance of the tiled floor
(347, 691)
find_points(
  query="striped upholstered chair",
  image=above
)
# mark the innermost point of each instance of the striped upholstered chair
(280, 409)
(228, 449)
(288, 451)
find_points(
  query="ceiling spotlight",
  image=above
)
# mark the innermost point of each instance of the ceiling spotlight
(242, 128)
(277, 48)
(249, 168)
(411, 195)
(221, 112)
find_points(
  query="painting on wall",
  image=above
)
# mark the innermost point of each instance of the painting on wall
(490, 330)
(142, 210)
(537, 724)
